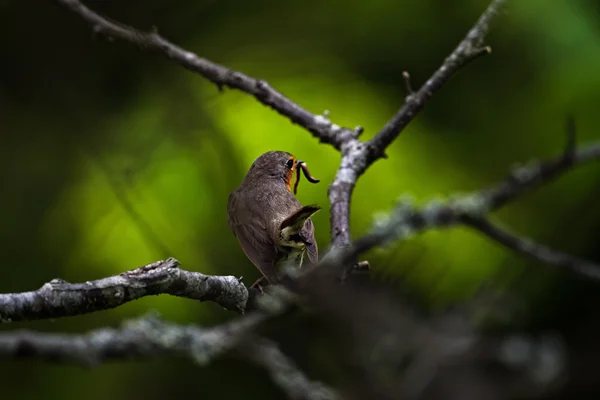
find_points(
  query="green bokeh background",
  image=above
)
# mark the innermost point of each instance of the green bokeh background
(90, 128)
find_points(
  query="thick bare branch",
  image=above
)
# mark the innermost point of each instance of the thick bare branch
(320, 126)
(357, 156)
(59, 298)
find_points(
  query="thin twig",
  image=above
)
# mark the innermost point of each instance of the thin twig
(407, 85)
(59, 298)
(321, 127)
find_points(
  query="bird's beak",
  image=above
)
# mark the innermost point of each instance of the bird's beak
(309, 177)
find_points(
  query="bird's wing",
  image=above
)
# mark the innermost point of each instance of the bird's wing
(255, 242)
(308, 232)
(299, 223)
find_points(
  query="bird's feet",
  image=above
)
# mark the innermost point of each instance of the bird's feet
(257, 285)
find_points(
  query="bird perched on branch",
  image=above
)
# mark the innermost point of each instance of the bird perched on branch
(271, 225)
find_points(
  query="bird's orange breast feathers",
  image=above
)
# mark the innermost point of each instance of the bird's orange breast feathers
(290, 174)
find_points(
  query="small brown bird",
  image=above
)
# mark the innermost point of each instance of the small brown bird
(271, 225)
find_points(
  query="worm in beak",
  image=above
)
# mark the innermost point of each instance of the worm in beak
(309, 177)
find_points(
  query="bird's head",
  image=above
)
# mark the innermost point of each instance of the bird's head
(279, 165)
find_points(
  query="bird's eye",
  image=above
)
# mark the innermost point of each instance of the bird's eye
(290, 163)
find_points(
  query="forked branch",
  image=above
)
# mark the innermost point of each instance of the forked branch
(358, 156)
(471, 210)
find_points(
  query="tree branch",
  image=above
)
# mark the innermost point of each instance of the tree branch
(59, 298)
(357, 156)
(150, 337)
(285, 373)
(145, 337)
(321, 127)
(467, 50)
(532, 176)
(469, 209)
(534, 250)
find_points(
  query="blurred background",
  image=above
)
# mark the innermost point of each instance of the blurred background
(115, 157)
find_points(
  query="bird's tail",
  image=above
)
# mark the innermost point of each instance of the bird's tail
(295, 222)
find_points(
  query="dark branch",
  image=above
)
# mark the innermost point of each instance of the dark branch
(532, 176)
(357, 156)
(285, 373)
(58, 298)
(151, 338)
(468, 209)
(321, 127)
(534, 250)
(468, 49)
